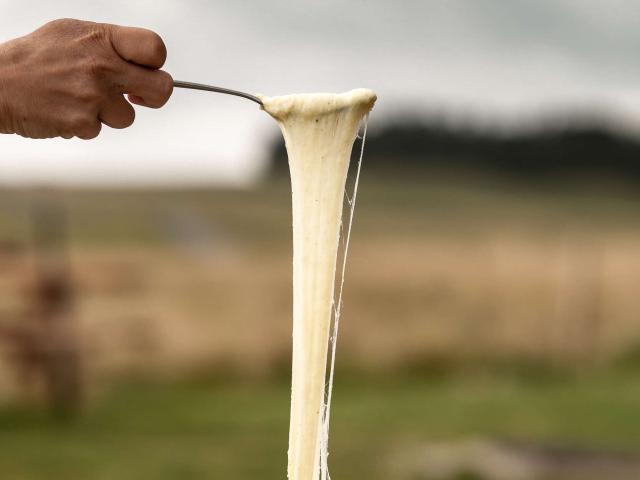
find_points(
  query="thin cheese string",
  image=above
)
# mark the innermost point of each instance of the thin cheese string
(324, 443)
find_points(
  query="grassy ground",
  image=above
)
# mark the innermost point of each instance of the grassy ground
(439, 266)
(397, 205)
(441, 273)
(199, 430)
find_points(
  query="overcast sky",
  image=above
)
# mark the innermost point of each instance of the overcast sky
(504, 60)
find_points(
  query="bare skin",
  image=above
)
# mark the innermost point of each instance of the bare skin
(69, 77)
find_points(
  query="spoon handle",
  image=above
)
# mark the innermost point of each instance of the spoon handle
(210, 88)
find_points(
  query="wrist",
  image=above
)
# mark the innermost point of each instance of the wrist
(7, 86)
(3, 92)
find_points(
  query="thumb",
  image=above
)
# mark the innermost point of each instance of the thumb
(138, 45)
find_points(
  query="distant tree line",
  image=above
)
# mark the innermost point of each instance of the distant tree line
(578, 148)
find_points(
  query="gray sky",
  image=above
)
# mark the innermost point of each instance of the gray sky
(503, 60)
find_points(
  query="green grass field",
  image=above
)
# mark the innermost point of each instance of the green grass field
(200, 430)
(441, 274)
(400, 205)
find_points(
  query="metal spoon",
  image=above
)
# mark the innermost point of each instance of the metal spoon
(209, 88)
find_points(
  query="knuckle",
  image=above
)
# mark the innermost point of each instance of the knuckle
(61, 23)
(90, 130)
(89, 96)
(99, 31)
(94, 34)
(89, 37)
(71, 28)
(97, 67)
(84, 126)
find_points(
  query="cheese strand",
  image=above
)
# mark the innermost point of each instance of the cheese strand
(319, 132)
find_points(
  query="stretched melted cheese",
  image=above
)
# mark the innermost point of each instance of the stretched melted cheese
(319, 132)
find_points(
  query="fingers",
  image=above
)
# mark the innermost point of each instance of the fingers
(136, 100)
(149, 88)
(118, 113)
(143, 52)
(84, 125)
(138, 45)
(87, 129)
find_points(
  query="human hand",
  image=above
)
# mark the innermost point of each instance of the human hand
(69, 77)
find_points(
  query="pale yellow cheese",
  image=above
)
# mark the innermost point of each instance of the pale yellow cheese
(319, 131)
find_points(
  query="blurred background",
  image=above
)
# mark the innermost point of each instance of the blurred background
(491, 328)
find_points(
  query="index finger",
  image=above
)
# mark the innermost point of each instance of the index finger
(151, 88)
(138, 45)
